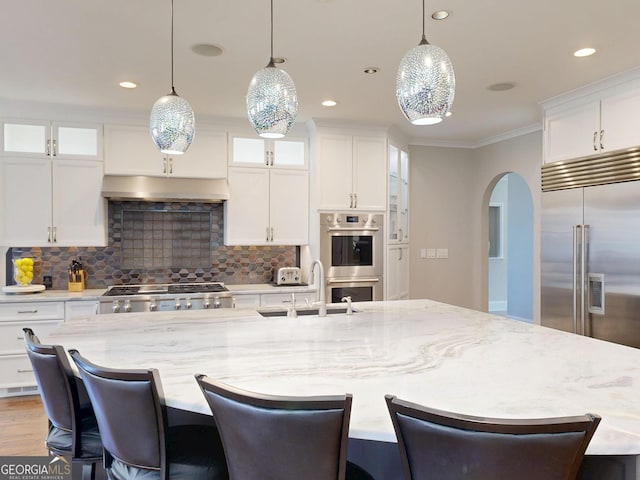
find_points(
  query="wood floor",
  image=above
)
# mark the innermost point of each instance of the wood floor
(23, 426)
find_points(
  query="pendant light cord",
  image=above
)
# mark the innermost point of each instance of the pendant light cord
(424, 37)
(173, 90)
(271, 57)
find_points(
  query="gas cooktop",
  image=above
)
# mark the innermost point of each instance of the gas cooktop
(169, 288)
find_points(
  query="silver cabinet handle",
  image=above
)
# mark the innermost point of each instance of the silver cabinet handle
(19, 338)
(399, 254)
(595, 135)
(271, 234)
(48, 148)
(351, 200)
(355, 203)
(35, 310)
(400, 234)
(272, 157)
(55, 148)
(55, 235)
(23, 370)
(583, 278)
(601, 136)
(170, 165)
(164, 165)
(267, 239)
(48, 234)
(266, 157)
(575, 229)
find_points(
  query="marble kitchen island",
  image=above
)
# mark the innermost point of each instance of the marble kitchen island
(423, 351)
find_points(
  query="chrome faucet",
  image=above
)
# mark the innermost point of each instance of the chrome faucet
(322, 308)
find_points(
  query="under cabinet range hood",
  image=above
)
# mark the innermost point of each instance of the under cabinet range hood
(161, 189)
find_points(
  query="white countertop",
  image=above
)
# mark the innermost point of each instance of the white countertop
(423, 351)
(95, 294)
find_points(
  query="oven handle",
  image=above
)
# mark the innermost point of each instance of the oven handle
(352, 229)
(353, 280)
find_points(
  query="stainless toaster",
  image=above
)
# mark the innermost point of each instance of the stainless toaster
(288, 276)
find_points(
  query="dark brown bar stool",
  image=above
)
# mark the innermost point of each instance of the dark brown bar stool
(271, 437)
(138, 443)
(447, 446)
(73, 430)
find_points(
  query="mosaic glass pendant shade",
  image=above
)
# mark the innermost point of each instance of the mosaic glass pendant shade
(172, 124)
(272, 102)
(425, 84)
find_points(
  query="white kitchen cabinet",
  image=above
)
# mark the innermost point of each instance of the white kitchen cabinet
(351, 172)
(593, 125)
(52, 139)
(397, 276)
(246, 300)
(286, 153)
(398, 201)
(16, 373)
(267, 207)
(80, 308)
(51, 202)
(129, 150)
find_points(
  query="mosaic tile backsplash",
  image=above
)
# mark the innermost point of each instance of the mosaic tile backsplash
(157, 242)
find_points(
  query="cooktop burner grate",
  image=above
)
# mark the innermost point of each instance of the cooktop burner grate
(159, 289)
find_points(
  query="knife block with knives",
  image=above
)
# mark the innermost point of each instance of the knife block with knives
(76, 276)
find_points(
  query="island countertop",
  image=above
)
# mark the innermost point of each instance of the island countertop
(427, 352)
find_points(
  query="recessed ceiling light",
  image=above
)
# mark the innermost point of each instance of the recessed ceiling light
(584, 52)
(440, 15)
(448, 114)
(371, 70)
(329, 103)
(501, 87)
(206, 50)
(128, 84)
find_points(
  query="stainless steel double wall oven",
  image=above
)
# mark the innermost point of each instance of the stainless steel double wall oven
(351, 250)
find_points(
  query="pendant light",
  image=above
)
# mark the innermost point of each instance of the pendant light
(272, 102)
(172, 123)
(425, 83)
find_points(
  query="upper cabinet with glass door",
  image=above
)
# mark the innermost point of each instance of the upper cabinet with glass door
(257, 152)
(52, 139)
(398, 202)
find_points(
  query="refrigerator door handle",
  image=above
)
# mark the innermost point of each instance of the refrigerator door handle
(575, 229)
(583, 278)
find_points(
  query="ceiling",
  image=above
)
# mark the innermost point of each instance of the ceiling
(75, 52)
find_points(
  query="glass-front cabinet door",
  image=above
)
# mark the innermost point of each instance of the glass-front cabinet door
(394, 198)
(398, 201)
(256, 152)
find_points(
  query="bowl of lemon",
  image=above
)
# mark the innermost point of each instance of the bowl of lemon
(23, 276)
(23, 271)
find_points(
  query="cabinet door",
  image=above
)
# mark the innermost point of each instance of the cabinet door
(620, 119)
(335, 172)
(403, 223)
(79, 210)
(129, 150)
(77, 141)
(246, 212)
(572, 133)
(289, 153)
(26, 201)
(369, 172)
(205, 158)
(289, 207)
(248, 152)
(393, 202)
(26, 138)
(397, 275)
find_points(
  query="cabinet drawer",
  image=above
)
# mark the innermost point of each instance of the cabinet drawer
(12, 312)
(273, 299)
(12, 336)
(16, 371)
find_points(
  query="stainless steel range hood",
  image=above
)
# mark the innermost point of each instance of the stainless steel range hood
(161, 189)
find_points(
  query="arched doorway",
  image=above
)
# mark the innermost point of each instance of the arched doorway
(511, 248)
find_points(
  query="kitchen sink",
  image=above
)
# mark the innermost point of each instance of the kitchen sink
(282, 312)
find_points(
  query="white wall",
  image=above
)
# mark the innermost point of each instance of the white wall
(441, 182)
(450, 189)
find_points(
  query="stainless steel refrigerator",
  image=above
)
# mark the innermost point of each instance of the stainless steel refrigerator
(590, 259)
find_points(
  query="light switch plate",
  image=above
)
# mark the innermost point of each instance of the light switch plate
(431, 253)
(442, 253)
